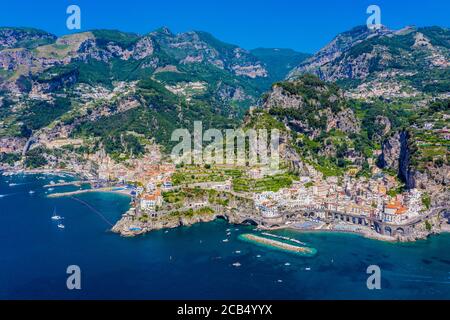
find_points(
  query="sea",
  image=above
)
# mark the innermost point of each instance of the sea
(204, 261)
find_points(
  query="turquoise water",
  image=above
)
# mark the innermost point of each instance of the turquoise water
(193, 263)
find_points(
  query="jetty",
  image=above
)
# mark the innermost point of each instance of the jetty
(77, 192)
(278, 244)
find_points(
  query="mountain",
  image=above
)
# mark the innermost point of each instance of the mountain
(321, 130)
(279, 62)
(404, 63)
(326, 133)
(103, 85)
(375, 103)
(24, 38)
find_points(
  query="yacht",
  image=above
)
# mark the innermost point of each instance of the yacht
(56, 217)
(61, 226)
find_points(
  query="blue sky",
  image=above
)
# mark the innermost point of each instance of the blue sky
(301, 25)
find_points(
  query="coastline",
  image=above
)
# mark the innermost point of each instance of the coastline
(188, 221)
(128, 228)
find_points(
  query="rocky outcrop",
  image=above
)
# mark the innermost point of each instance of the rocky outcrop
(396, 156)
(24, 37)
(333, 51)
(405, 171)
(314, 100)
(390, 154)
(383, 60)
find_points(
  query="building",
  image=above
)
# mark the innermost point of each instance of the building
(149, 202)
(167, 183)
(151, 186)
(394, 212)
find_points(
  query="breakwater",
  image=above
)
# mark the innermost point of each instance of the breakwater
(276, 244)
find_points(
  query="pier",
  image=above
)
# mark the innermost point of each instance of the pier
(77, 192)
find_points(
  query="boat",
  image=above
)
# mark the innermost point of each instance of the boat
(307, 269)
(31, 192)
(236, 264)
(61, 226)
(55, 216)
(287, 264)
(225, 240)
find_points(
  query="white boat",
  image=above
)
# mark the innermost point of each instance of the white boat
(238, 252)
(287, 264)
(31, 192)
(236, 264)
(61, 226)
(225, 240)
(308, 269)
(56, 217)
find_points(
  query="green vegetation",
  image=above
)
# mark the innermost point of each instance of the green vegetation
(123, 146)
(119, 38)
(309, 184)
(426, 200)
(29, 38)
(316, 93)
(9, 158)
(270, 183)
(191, 213)
(35, 158)
(158, 118)
(197, 174)
(428, 225)
(42, 113)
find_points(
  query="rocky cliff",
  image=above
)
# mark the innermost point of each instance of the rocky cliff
(385, 62)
